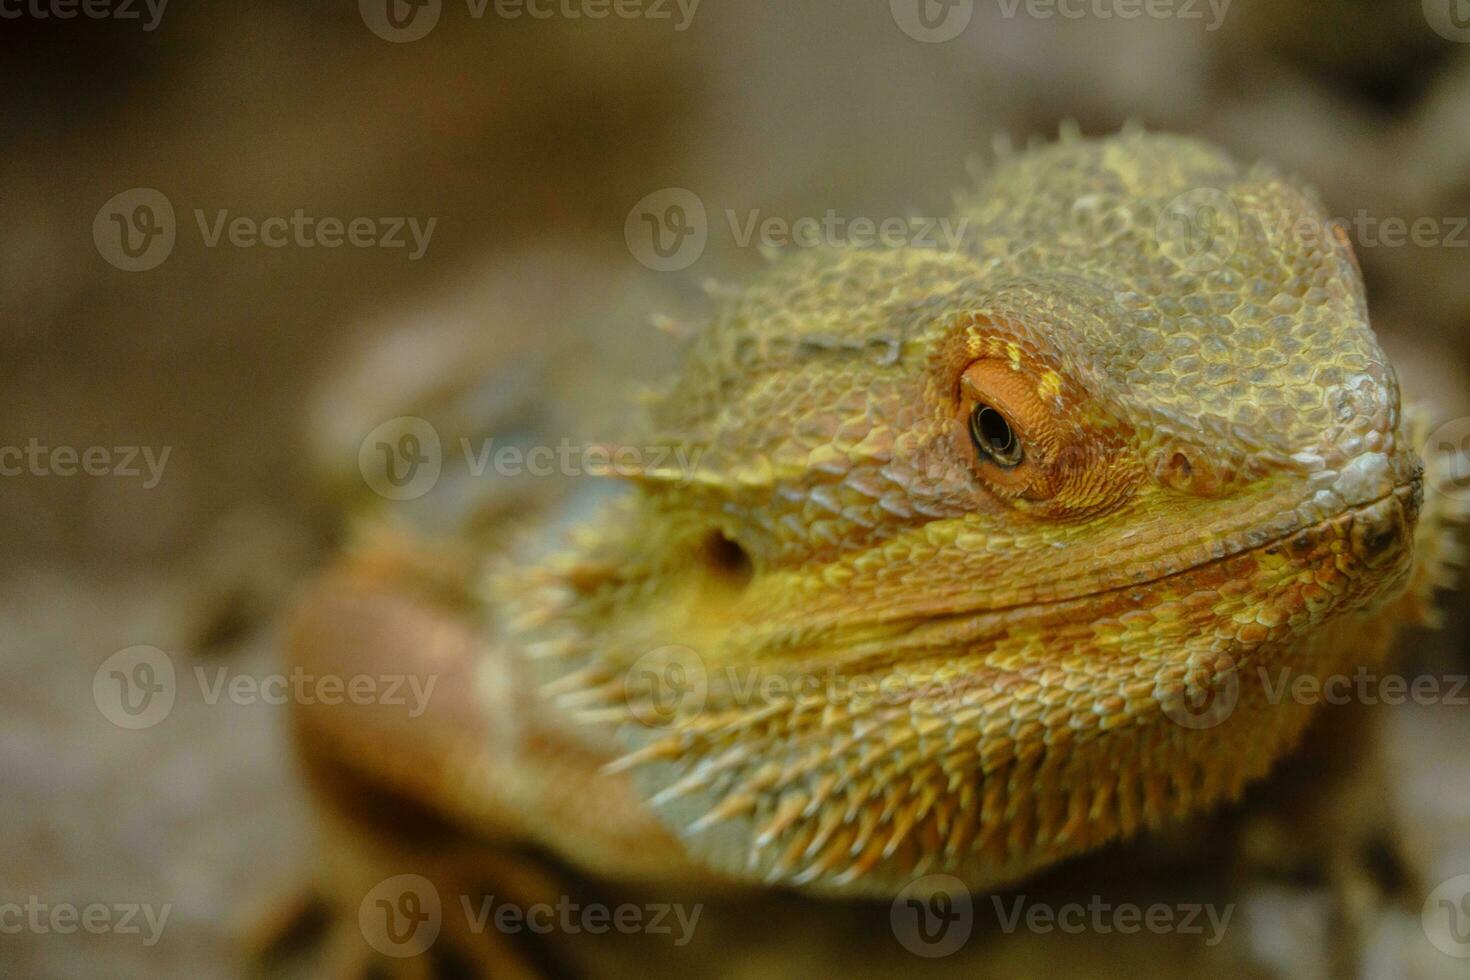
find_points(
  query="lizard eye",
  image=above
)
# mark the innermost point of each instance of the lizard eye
(993, 436)
(1011, 430)
(1020, 438)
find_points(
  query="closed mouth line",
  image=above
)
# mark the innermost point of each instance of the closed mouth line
(920, 622)
(1275, 542)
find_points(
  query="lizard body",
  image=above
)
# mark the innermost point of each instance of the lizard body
(963, 539)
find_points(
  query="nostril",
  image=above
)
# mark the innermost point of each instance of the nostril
(1186, 470)
(1378, 538)
(1377, 531)
(726, 559)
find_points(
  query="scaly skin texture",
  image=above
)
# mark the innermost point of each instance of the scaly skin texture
(1213, 481)
(846, 646)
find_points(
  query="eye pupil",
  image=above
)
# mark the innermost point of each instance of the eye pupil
(995, 430)
(993, 436)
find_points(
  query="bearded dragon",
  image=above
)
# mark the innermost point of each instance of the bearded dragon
(964, 546)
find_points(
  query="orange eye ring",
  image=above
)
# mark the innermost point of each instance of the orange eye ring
(1030, 437)
(1010, 428)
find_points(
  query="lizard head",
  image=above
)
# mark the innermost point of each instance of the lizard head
(962, 538)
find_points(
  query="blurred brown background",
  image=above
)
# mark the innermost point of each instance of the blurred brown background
(528, 142)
